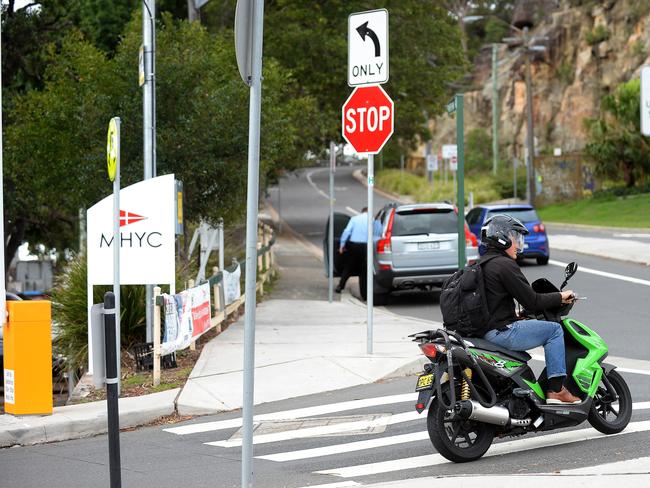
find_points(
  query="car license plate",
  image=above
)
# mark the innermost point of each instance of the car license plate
(525, 245)
(428, 246)
(424, 381)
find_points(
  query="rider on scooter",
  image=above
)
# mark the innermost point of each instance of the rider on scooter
(503, 236)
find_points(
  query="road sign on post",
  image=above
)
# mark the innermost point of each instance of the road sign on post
(368, 119)
(368, 47)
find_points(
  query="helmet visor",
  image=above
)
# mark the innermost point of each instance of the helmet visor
(518, 241)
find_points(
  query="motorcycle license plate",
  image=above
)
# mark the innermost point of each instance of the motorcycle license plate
(424, 382)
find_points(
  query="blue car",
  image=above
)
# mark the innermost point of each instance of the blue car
(535, 243)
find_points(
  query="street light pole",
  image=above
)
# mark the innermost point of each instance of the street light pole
(530, 170)
(495, 115)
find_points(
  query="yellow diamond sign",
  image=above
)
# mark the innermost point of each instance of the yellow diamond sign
(112, 148)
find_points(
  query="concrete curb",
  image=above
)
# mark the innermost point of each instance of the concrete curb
(84, 420)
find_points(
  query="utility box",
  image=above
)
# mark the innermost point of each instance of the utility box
(28, 358)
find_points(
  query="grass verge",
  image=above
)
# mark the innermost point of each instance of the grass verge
(630, 211)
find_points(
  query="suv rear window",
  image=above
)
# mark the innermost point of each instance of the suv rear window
(523, 214)
(425, 222)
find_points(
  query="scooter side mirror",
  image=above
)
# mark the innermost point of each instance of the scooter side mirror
(570, 270)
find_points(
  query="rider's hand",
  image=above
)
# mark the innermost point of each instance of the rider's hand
(341, 249)
(568, 296)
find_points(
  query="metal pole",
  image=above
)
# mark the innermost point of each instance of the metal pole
(330, 256)
(222, 250)
(370, 249)
(514, 179)
(112, 405)
(251, 240)
(530, 180)
(148, 135)
(495, 115)
(460, 141)
(116, 253)
(2, 213)
(280, 205)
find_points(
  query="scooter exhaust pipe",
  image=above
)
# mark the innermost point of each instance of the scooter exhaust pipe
(469, 409)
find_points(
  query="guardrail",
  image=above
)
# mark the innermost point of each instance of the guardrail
(220, 311)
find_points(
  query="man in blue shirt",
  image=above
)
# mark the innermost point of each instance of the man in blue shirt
(353, 240)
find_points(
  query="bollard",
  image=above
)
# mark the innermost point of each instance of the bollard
(112, 406)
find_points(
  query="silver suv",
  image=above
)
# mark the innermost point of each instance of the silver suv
(418, 247)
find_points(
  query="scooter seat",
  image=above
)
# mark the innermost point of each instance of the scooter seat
(491, 346)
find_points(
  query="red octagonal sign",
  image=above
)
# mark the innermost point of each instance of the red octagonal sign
(368, 119)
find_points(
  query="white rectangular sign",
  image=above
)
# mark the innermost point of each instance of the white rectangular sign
(645, 100)
(368, 47)
(432, 162)
(147, 234)
(449, 151)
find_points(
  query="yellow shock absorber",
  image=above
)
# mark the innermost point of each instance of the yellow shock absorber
(464, 389)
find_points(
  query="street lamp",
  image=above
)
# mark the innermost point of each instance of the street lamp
(529, 46)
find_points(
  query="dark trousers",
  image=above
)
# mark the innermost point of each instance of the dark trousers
(354, 261)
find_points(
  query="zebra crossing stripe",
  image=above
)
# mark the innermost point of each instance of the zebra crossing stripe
(496, 450)
(321, 430)
(293, 414)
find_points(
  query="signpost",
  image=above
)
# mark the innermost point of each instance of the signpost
(330, 233)
(368, 112)
(113, 166)
(645, 100)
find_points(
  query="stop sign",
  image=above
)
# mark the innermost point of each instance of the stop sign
(368, 119)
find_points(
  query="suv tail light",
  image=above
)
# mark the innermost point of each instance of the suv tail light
(383, 244)
(539, 228)
(470, 238)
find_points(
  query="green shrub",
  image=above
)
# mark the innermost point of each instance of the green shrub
(70, 312)
(566, 72)
(597, 35)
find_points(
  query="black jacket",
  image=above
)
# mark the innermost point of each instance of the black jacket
(505, 281)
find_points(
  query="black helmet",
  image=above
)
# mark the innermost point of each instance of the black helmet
(501, 231)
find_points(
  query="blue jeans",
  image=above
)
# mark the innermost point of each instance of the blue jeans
(527, 334)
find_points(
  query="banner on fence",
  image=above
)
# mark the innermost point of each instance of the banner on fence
(199, 298)
(178, 324)
(231, 285)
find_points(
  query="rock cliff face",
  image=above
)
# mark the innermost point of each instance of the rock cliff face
(590, 50)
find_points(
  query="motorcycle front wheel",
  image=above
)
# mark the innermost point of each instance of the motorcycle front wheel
(458, 440)
(607, 415)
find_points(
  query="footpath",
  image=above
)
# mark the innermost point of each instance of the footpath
(304, 345)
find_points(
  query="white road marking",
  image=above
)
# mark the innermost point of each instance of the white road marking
(321, 192)
(342, 484)
(295, 414)
(352, 211)
(605, 274)
(370, 444)
(347, 447)
(632, 236)
(321, 430)
(498, 449)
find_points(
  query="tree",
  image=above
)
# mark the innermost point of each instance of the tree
(55, 160)
(615, 140)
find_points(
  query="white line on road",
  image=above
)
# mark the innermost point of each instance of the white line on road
(321, 430)
(321, 192)
(605, 274)
(418, 462)
(342, 484)
(352, 211)
(369, 444)
(632, 236)
(295, 413)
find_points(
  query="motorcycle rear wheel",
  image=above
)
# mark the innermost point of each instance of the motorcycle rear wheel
(459, 441)
(611, 417)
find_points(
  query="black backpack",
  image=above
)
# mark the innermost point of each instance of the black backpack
(462, 302)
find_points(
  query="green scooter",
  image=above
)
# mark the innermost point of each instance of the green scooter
(476, 390)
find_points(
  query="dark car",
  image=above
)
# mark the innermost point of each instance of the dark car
(535, 243)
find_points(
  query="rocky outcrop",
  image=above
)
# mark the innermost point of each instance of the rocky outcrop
(590, 50)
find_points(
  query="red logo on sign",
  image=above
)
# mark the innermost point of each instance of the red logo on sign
(127, 218)
(368, 119)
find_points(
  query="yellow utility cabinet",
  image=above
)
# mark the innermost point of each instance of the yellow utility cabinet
(28, 357)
